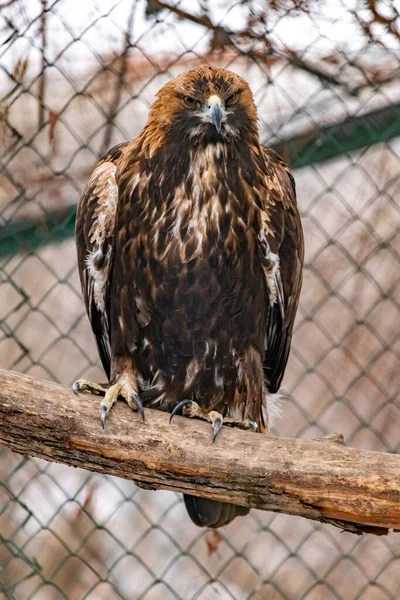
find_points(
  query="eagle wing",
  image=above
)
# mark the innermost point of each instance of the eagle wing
(281, 248)
(95, 223)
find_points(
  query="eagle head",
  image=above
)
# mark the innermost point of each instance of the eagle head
(204, 105)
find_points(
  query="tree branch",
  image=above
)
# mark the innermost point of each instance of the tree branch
(43, 74)
(122, 72)
(323, 480)
(7, 3)
(224, 38)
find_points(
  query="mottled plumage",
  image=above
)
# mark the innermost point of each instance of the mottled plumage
(190, 253)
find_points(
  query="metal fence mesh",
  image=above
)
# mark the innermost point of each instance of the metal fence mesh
(76, 78)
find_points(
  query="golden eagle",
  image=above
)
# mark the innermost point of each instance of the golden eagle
(190, 254)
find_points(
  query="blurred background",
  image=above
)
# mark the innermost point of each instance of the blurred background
(77, 78)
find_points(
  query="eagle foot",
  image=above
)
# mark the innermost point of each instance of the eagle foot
(82, 385)
(245, 424)
(192, 410)
(123, 387)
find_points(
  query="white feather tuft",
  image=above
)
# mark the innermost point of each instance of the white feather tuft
(273, 408)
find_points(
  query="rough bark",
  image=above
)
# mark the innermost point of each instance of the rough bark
(323, 480)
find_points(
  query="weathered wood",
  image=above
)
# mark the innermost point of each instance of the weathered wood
(319, 479)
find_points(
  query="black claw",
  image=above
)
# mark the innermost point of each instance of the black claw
(139, 405)
(103, 413)
(75, 388)
(178, 406)
(216, 427)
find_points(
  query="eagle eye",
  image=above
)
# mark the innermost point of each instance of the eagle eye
(191, 102)
(232, 99)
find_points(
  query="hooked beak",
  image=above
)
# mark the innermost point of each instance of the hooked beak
(215, 112)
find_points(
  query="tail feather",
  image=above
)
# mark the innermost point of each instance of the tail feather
(210, 513)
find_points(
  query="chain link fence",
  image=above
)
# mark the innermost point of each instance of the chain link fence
(78, 77)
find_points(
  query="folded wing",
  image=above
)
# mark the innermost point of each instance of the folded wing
(95, 223)
(281, 249)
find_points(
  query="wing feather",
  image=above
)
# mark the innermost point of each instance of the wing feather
(281, 248)
(95, 223)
